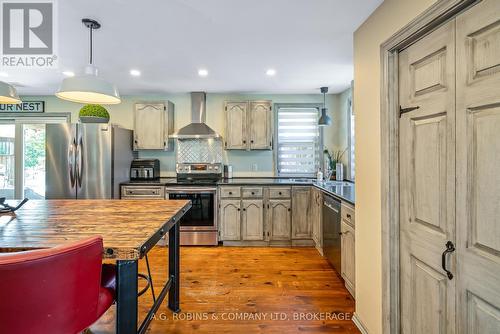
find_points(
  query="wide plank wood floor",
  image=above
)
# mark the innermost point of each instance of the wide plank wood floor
(220, 286)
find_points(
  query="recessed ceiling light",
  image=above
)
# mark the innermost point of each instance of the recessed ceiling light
(135, 73)
(271, 72)
(202, 73)
(4, 74)
(69, 73)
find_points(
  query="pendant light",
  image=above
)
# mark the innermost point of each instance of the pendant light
(89, 88)
(324, 119)
(8, 94)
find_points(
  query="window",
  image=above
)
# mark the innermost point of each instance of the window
(22, 155)
(350, 128)
(298, 139)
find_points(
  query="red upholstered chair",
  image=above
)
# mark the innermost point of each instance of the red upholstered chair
(57, 290)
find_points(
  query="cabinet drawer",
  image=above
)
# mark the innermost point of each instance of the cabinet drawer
(143, 192)
(278, 192)
(251, 192)
(230, 192)
(347, 213)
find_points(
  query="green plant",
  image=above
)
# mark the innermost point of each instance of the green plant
(334, 157)
(94, 110)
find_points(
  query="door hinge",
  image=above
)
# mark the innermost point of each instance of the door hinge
(226, 108)
(407, 110)
(164, 107)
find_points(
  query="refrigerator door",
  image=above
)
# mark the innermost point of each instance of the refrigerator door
(94, 161)
(122, 158)
(60, 173)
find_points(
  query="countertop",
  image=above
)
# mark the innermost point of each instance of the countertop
(343, 190)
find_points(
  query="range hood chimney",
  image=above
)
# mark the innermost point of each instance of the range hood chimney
(197, 128)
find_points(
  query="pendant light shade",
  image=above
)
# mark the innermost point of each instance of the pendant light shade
(324, 119)
(8, 94)
(89, 88)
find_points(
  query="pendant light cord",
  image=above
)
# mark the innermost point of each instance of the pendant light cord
(91, 49)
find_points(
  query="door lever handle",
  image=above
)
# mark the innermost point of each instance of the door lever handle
(450, 248)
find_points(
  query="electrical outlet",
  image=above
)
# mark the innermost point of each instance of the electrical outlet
(254, 167)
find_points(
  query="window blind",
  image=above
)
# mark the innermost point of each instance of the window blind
(298, 141)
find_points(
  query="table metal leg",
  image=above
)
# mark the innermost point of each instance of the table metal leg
(173, 267)
(126, 297)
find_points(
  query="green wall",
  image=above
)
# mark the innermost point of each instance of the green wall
(242, 161)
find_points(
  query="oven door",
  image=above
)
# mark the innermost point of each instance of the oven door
(202, 215)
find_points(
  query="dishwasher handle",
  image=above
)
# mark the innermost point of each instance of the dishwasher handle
(330, 207)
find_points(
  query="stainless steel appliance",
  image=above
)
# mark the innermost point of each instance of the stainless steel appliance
(197, 182)
(143, 169)
(86, 160)
(331, 231)
(228, 171)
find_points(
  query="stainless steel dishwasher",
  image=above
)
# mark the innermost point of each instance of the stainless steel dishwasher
(331, 231)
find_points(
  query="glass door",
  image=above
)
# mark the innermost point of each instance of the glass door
(34, 161)
(7, 160)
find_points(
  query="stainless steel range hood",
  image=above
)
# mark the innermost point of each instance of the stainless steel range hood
(197, 128)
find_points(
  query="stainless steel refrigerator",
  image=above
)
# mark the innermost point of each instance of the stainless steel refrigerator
(86, 161)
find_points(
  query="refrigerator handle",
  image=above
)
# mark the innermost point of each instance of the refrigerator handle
(79, 162)
(72, 162)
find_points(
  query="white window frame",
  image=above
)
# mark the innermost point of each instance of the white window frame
(19, 120)
(277, 106)
(351, 160)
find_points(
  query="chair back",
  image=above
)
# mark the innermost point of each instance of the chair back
(52, 290)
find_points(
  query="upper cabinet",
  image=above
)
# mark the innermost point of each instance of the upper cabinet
(249, 125)
(153, 124)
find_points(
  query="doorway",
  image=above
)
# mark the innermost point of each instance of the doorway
(22, 155)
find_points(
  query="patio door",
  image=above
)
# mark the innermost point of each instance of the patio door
(22, 156)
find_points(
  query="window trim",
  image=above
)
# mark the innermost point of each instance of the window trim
(350, 113)
(276, 107)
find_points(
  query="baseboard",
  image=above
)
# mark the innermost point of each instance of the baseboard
(359, 324)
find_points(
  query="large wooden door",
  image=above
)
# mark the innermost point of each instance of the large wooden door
(427, 182)
(478, 169)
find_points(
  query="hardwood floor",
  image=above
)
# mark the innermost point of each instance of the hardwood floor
(220, 286)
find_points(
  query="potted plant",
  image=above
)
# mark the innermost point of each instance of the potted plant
(93, 113)
(333, 162)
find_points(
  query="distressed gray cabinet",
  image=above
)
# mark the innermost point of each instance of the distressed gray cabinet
(153, 124)
(279, 219)
(347, 242)
(230, 219)
(252, 219)
(248, 125)
(316, 218)
(142, 192)
(301, 220)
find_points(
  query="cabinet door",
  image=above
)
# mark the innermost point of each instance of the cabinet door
(347, 256)
(230, 219)
(149, 126)
(236, 129)
(260, 125)
(301, 220)
(252, 219)
(278, 219)
(316, 216)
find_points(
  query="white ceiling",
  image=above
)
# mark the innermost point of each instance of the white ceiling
(308, 42)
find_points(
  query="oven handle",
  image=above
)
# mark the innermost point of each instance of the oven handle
(190, 190)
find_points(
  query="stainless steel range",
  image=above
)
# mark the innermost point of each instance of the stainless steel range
(197, 182)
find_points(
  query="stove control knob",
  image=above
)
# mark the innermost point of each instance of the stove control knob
(216, 167)
(209, 167)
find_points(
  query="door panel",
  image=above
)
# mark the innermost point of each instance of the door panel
(236, 132)
(427, 182)
(149, 126)
(260, 125)
(478, 179)
(279, 219)
(301, 222)
(252, 222)
(60, 162)
(94, 179)
(230, 219)
(7, 160)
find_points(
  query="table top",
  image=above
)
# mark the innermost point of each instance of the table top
(128, 227)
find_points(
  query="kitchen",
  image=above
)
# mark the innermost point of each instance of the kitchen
(247, 175)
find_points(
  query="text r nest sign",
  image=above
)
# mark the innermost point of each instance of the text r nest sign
(27, 106)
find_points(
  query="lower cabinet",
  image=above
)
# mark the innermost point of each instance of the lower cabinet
(230, 219)
(252, 219)
(301, 220)
(347, 248)
(279, 220)
(316, 218)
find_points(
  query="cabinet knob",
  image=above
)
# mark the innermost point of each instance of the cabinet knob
(244, 209)
(251, 141)
(135, 141)
(244, 142)
(253, 193)
(348, 216)
(289, 210)
(230, 193)
(279, 193)
(238, 209)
